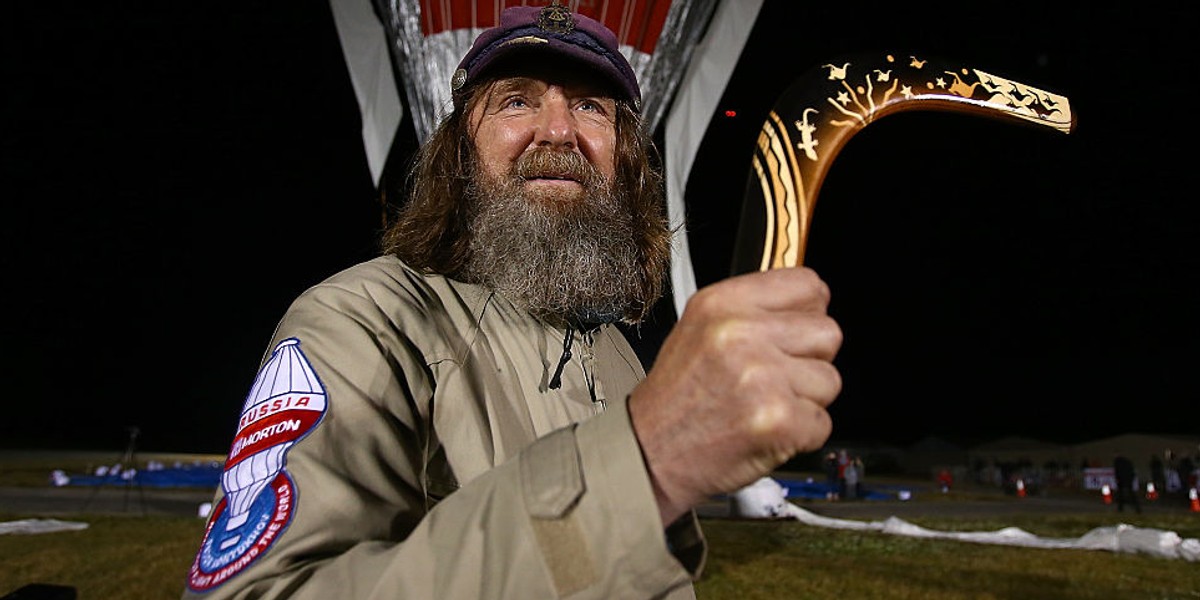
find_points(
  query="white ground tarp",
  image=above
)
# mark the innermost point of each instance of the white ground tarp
(767, 499)
(31, 526)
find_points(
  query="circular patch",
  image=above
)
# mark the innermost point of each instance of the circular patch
(233, 542)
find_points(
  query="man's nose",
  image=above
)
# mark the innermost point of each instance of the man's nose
(556, 126)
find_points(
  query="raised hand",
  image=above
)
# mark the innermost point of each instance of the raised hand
(740, 385)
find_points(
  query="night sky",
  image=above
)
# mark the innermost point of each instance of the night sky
(175, 174)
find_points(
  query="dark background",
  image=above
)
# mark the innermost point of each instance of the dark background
(175, 174)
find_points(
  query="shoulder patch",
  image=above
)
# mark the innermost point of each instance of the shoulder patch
(285, 403)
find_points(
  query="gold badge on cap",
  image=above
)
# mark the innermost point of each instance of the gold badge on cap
(556, 18)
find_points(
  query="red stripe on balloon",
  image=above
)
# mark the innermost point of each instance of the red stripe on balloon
(637, 23)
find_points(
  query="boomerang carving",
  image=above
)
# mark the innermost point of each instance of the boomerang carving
(819, 113)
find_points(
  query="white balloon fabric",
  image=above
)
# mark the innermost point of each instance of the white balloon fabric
(767, 499)
(682, 69)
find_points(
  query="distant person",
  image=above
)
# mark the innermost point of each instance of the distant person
(945, 480)
(1187, 473)
(843, 461)
(850, 479)
(1126, 483)
(830, 464)
(861, 468)
(1158, 472)
(1174, 481)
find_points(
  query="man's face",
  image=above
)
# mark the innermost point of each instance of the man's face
(523, 115)
(549, 228)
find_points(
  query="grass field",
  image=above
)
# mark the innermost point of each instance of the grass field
(145, 558)
(127, 557)
(777, 560)
(116, 557)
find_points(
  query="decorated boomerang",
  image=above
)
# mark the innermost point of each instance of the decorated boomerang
(815, 117)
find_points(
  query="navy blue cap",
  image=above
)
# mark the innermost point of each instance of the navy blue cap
(554, 31)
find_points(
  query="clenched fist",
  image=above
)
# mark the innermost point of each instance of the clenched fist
(740, 385)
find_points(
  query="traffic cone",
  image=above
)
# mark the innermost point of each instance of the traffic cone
(1106, 492)
(1151, 492)
(1020, 488)
(1195, 500)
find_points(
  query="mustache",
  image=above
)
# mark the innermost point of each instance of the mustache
(541, 163)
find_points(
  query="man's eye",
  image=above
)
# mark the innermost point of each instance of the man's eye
(514, 102)
(591, 106)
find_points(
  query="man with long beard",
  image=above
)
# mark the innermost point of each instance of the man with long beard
(459, 418)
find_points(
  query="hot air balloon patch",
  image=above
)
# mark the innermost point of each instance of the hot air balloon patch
(286, 401)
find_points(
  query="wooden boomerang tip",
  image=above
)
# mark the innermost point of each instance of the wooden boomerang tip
(818, 114)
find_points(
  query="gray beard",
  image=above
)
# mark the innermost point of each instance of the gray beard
(565, 256)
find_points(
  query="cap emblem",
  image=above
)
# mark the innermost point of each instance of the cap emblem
(459, 78)
(556, 18)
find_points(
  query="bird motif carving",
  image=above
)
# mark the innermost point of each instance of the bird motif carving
(837, 73)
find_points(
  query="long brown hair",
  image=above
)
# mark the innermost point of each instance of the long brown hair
(431, 231)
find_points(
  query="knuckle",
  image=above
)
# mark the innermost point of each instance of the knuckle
(828, 335)
(815, 287)
(770, 417)
(834, 331)
(817, 430)
(704, 301)
(833, 378)
(752, 377)
(728, 335)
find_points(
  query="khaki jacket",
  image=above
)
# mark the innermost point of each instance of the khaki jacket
(402, 440)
